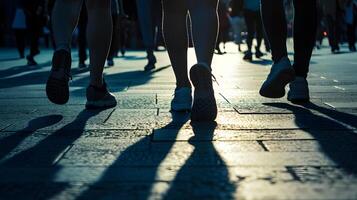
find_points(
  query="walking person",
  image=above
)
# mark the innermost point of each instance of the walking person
(99, 30)
(282, 72)
(237, 21)
(114, 46)
(33, 11)
(351, 21)
(203, 14)
(19, 26)
(146, 18)
(254, 26)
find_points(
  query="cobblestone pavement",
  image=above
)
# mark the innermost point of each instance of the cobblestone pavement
(258, 149)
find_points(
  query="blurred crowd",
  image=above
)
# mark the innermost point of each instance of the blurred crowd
(137, 25)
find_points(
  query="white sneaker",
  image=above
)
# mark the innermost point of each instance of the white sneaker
(182, 100)
(299, 90)
(280, 75)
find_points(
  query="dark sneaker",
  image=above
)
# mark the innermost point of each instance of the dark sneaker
(299, 91)
(258, 53)
(99, 98)
(31, 61)
(110, 62)
(82, 65)
(248, 56)
(204, 104)
(151, 64)
(280, 75)
(57, 88)
(182, 100)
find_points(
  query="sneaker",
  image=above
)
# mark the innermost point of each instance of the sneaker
(31, 61)
(151, 63)
(248, 56)
(258, 53)
(82, 65)
(299, 90)
(352, 48)
(99, 97)
(204, 104)
(280, 75)
(57, 88)
(110, 62)
(182, 100)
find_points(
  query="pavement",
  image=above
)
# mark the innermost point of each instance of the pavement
(258, 148)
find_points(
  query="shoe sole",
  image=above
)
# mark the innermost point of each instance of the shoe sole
(275, 87)
(57, 91)
(204, 105)
(90, 105)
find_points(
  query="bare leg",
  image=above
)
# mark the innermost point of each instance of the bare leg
(99, 33)
(64, 20)
(176, 39)
(204, 28)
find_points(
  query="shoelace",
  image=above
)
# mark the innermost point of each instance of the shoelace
(214, 79)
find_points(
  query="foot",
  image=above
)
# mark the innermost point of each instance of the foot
(151, 64)
(57, 88)
(280, 75)
(110, 62)
(258, 53)
(204, 105)
(99, 97)
(352, 48)
(248, 56)
(299, 91)
(31, 61)
(182, 100)
(82, 65)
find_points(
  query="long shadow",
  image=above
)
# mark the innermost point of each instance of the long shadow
(205, 174)
(128, 79)
(23, 68)
(37, 164)
(338, 137)
(137, 165)
(9, 59)
(9, 143)
(32, 78)
(263, 62)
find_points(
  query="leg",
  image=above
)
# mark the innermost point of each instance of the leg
(281, 72)
(204, 28)
(204, 20)
(275, 27)
(82, 37)
(304, 35)
(64, 20)
(259, 29)
(20, 42)
(147, 29)
(249, 21)
(99, 26)
(176, 38)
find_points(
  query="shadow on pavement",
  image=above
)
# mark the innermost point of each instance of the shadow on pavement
(126, 79)
(205, 174)
(7, 144)
(130, 171)
(23, 68)
(337, 139)
(38, 163)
